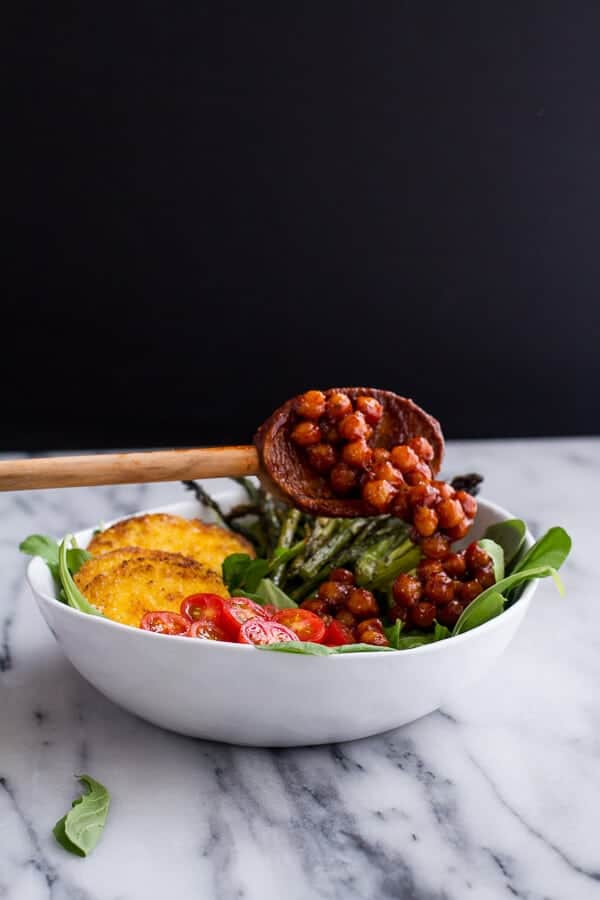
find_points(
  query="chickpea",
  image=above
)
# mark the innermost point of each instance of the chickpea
(423, 615)
(375, 624)
(439, 588)
(362, 604)
(445, 490)
(371, 409)
(334, 593)
(476, 557)
(346, 618)
(485, 576)
(399, 612)
(425, 520)
(306, 433)
(315, 605)
(421, 474)
(449, 614)
(404, 457)
(459, 531)
(321, 457)
(343, 479)
(454, 564)
(422, 448)
(354, 426)
(343, 575)
(378, 495)
(329, 432)
(450, 513)
(310, 405)
(407, 590)
(423, 495)
(380, 455)
(385, 471)
(338, 405)
(357, 454)
(469, 590)
(400, 506)
(468, 503)
(427, 567)
(435, 547)
(376, 638)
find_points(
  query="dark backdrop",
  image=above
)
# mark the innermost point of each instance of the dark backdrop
(210, 211)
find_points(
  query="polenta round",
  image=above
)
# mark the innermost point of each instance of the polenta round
(207, 544)
(129, 582)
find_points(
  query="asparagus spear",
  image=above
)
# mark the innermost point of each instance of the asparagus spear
(286, 537)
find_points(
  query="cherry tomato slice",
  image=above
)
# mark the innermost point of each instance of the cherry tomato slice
(237, 610)
(207, 630)
(265, 631)
(203, 607)
(337, 634)
(165, 622)
(307, 625)
(269, 610)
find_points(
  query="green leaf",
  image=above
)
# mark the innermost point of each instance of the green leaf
(269, 593)
(242, 573)
(511, 537)
(440, 632)
(496, 553)
(306, 647)
(80, 830)
(392, 633)
(343, 649)
(551, 550)
(477, 614)
(76, 557)
(73, 595)
(45, 547)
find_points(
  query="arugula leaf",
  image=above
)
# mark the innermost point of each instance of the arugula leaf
(80, 830)
(73, 595)
(45, 547)
(478, 613)
(242, 573)
(511, 537)
(496, 553)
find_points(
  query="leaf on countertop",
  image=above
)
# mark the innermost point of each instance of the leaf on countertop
(81, 828)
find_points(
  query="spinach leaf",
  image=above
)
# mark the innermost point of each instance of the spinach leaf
(242, 573)
(496, 552)
(80, 830)
(306, 647)
(551, 550)
(45, 547)
(73, 595)
(269, 593)
(511, 537)
(392, 633)
(343, 649)
(477, 613)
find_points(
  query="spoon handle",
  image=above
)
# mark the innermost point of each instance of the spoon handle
(127, 468)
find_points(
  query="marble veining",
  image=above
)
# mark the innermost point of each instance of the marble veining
(496, 796)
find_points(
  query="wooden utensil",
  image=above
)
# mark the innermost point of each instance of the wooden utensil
(280, 464)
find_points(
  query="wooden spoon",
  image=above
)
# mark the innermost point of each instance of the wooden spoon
(278, 462)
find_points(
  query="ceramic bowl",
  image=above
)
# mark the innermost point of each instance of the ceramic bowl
(240, 695)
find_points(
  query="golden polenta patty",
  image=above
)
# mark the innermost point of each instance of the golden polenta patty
(129, 582)
(207, 544)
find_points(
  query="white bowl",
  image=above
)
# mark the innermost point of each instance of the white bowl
(235, 693)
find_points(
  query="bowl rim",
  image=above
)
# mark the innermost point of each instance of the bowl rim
(229, 646)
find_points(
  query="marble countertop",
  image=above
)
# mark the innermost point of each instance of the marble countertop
(496, 796)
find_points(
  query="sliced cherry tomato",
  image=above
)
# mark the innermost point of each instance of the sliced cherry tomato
(270, 610)
(237, 610)
(265, 631)
(307, 625)
(337, 634)
(207, 630)
(165, 622)
(203, 607)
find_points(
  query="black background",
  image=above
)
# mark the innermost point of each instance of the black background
(208, 211)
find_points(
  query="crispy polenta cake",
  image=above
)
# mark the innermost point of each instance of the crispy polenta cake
(207, 544)
(128, 582)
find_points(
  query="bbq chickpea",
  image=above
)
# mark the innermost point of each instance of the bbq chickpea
(399, 612)
(468, 503)
(329, 432)
(436, 546)
(334, 592)
(423, 615)
(343, 478)
(378, 495)
(310, 405)
(374, 637)
(346, 618)
(357, 454)
(439, 588)
(306, 433)
(343, 575)
(428, 566)
(404, 457)
(407, 590)
(449, 614)
(445, 490)
(361, 603)
(315, 605)
(371, 409)
(423, 495)
(421, 474)
(485, 575)
(422, 448)
(374, 623)
(454, 564)
(459, 531)
(469, 590)
(400, 506)
(338, 405)
(380, 455)
(386, 471)
(354, 426)
(450, 513)
(425, 520)
(322, 457)
(476, 557)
